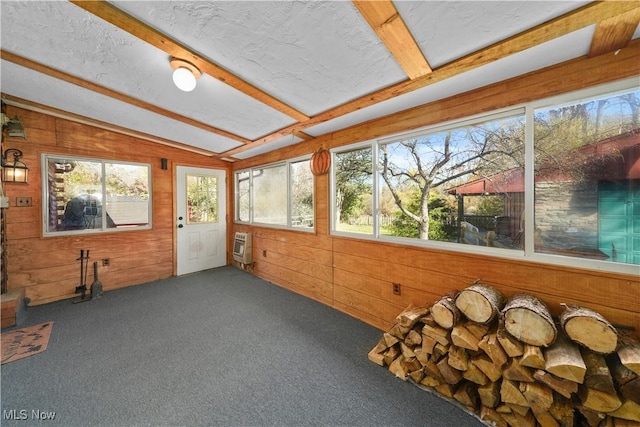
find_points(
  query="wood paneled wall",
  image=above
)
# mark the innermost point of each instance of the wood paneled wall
(356, 276)
(47, 267)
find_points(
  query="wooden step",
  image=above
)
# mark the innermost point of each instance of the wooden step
(11, 306)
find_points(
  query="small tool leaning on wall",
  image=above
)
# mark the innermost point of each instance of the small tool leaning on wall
(82, 288)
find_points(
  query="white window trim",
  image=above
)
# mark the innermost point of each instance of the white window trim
(251, 220)
(528, 253)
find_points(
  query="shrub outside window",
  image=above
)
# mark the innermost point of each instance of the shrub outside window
(91, 195)
(555, 181)
(277, 195)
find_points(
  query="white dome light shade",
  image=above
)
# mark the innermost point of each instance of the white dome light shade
(184, 79)
(184, 74)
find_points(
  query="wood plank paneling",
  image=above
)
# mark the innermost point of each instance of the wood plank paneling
(47, 267)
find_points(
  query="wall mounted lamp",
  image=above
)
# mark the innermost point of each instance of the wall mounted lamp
(184, 74)
(14, 170)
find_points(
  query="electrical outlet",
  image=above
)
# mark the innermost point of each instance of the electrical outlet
(396, 288)
(105, 262)
(23, 201)
(264, 252)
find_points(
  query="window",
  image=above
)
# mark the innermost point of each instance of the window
(88, 195)
(587, 178)
(449, 184)
(553, 181)
(277, 195)
(202, 199)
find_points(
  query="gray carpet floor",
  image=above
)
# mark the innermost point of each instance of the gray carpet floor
(220, 347)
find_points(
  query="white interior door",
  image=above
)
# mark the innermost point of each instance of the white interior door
(201, 221)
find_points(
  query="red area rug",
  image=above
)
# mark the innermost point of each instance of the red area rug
(24, 342)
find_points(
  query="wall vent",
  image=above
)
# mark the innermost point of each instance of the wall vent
(242, 248)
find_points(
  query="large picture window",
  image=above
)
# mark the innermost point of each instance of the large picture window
(89, 195)
(556, 180)
(587, 178)
(278, 195)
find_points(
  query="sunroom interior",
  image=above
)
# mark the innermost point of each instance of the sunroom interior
(461, 141)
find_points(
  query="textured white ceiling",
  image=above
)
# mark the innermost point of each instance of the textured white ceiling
(311, 55)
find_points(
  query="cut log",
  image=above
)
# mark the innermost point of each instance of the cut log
(510, 393)
(589, 328)
(412, 364)
(406, 351)
(538, 395)
(458, 358)
(439, 334)
(514, 371)
(461, 337)
(422, 357)
(562, 410)
(429, 381)
(450, 375)
(399, 331)
(487, 367)
(493, 417)
(444, 311)
(376, 354)
(516, 420)
(509, 343)
(411, 315)
(565, 387)
(591, 417)
(467, 395)
(597, 400)
(629, 352)
(492, 348)
(389, 339)
(544, 418)
(475, 375)
(391, 354)
(440, 350)
(489, 394)
(428, 343)
(416, 376)
(627, 381)
(398, 368)
(528, 319)
(480, 302)
(627, 411)
(532, 357)
(598, 376)
(563, 359)
(413, 338)
(446, 390)
(478, 330)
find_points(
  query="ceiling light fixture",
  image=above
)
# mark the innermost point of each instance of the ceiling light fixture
(184, 74)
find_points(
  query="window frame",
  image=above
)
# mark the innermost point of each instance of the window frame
(527, 253)
(251, 221)
(103, 162)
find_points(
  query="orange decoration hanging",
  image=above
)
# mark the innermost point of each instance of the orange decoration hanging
(320, 162)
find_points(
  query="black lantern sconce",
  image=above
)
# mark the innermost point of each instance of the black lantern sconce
(14, 170)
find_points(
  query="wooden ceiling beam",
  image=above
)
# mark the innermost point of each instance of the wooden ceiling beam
(384, 19)
(614, 33)
(590, 14)
(125, 22)
(76, 118)
(60, 75)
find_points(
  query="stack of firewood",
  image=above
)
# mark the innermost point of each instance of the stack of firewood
(512, 363)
